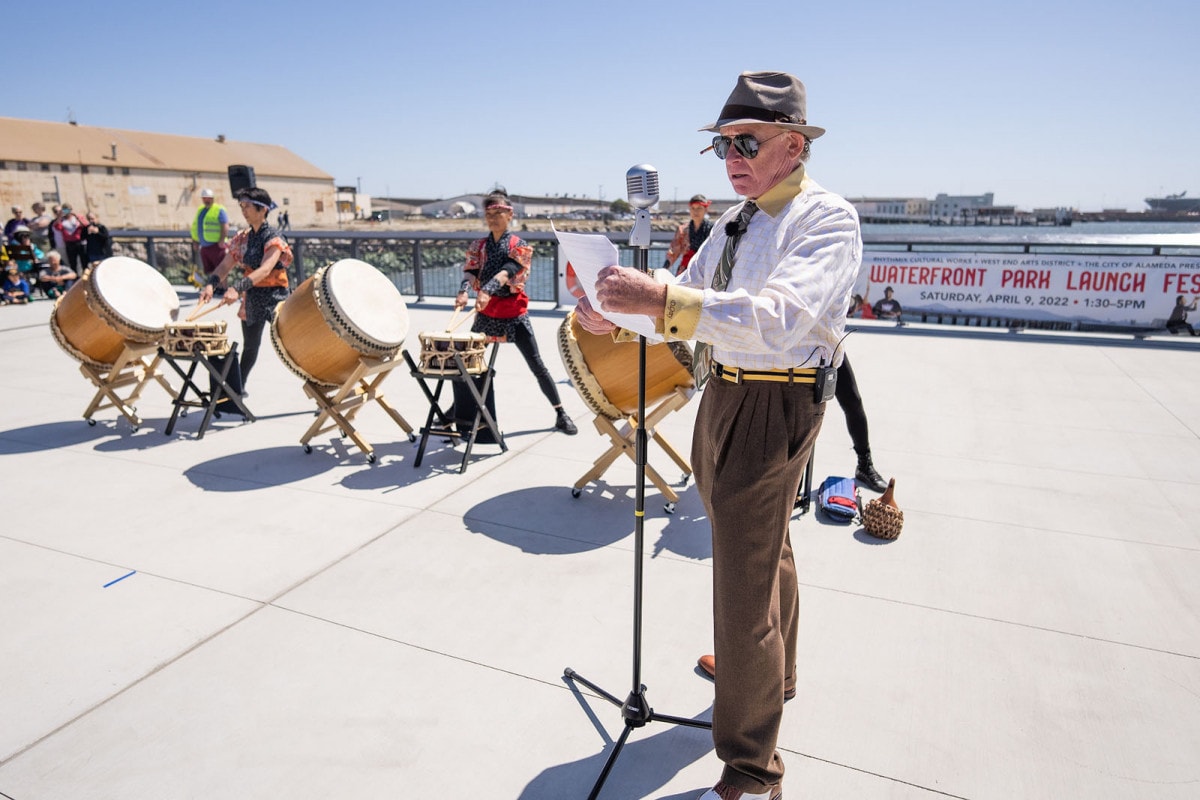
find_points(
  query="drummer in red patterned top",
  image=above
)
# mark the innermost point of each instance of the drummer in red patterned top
(691, 234)
(264, 257)
(496, 268)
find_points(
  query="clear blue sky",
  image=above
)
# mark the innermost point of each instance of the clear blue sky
(1086, 104)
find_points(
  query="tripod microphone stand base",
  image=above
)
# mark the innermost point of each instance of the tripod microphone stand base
(636, 712)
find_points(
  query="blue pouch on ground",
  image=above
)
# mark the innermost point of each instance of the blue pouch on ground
(839, 498)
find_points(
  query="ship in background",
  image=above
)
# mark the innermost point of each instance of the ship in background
(1175, 204)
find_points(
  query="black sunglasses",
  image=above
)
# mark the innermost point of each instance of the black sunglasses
(745, 143)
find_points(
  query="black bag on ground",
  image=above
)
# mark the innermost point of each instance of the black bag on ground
(464, 408)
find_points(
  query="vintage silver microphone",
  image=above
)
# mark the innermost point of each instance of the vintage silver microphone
(641, 183)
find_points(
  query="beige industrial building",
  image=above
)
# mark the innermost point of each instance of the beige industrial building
(152, 181)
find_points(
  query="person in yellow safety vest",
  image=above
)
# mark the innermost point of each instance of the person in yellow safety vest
(210, 229)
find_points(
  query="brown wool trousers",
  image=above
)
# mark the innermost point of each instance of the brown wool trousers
(749, 451)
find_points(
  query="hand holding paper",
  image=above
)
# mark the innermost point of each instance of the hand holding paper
(589, 253)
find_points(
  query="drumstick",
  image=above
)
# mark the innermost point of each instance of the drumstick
(208, 310)
(461, 321)
(454, 316)
(196, 312)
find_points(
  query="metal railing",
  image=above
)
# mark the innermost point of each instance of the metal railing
(420, 263)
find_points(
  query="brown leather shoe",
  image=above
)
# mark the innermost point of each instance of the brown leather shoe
(708, 663)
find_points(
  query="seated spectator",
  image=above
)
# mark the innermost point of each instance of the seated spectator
(57, 277)
(14, 289)
(22, 238)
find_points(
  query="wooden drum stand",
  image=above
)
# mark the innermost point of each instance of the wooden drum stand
(624, 442)
(130, 369)
(338, 405)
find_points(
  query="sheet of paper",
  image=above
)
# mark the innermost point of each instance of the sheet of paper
(589, 253)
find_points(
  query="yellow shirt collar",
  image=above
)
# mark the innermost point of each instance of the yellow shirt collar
(774, 199)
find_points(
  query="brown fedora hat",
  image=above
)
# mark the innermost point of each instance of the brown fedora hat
(773, 98)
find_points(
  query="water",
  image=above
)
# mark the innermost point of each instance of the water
(1134, 233)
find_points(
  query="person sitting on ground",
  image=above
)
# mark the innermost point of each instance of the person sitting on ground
(56, 277)
(15, 289)
(1177, 322)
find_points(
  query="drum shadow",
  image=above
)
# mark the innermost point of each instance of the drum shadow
(547, 520)
(52, 435)
(866, 538)
(646, 764)
(255, 469)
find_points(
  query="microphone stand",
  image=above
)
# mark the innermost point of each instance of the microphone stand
(635, 710)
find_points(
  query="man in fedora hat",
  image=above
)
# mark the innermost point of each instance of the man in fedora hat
(765, 298)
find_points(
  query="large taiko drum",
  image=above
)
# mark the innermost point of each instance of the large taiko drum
(117, 302)
(605, 373)
(345, 312)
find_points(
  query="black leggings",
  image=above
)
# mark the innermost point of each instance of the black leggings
(252, 333)
(852, 406)
(522, 337)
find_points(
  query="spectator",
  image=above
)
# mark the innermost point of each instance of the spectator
(72, 229)
(17, 219)
(26, 263)
(888, 307)
(56, 278)
(56, 236)
(97, 242)
(15, 289)
(210, 229)
(39, 226)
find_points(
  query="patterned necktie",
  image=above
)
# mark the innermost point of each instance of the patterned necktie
(702, 359)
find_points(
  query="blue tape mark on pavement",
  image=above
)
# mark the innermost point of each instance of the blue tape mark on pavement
(123, 577)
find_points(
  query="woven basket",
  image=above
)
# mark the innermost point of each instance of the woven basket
(882, 521)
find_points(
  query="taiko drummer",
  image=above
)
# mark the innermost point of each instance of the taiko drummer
(264, 257)
(497, 266)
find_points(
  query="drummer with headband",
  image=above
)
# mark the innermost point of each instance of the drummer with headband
(264, 256)
(497, 267)
(691, 234)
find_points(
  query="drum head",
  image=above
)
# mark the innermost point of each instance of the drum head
(368, 301)
(135, 291)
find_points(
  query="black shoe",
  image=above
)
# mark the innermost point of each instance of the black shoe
(868, 477)
(564, 424)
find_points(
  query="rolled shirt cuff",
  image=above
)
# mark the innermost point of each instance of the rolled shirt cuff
(681, 314)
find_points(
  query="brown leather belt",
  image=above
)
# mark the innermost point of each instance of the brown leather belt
(791, 375)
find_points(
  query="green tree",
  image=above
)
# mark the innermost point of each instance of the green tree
(620, 206)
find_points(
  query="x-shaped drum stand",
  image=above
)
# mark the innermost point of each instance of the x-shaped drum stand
(624, 443)
(339, 405)
(130, 369)
(206, 400)
(445, 426)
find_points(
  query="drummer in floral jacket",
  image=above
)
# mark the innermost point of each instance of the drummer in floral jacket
(264, 257)
(497, 267)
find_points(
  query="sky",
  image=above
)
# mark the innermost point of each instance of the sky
(1088, 105)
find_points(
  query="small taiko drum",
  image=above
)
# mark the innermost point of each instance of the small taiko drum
(605, 373)
(198, 338)
(438, 350)
(347, 311)
(117, 302)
